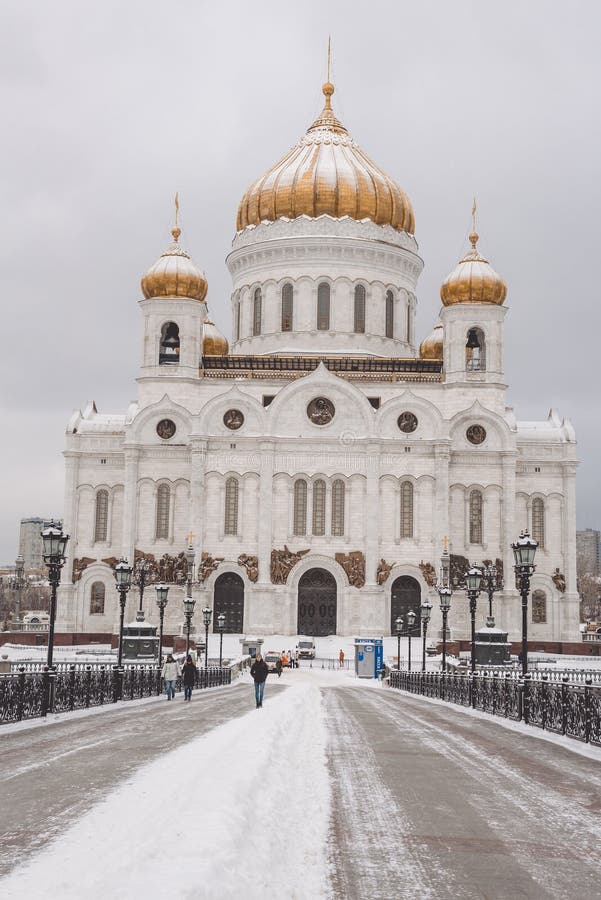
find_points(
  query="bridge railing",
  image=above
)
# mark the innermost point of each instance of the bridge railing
(571, 708)
(28, 695)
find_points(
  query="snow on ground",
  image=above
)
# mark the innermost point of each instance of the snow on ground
(218, 817)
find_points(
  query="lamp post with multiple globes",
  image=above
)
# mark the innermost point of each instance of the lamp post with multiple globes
(398, 625)
(473, 581)
(411, 617)
(425, 612)
(162, 591)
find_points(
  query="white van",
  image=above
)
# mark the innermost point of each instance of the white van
(306, 648)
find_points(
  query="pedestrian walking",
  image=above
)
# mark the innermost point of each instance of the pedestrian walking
(188, 676)
(259, 673)
(341, 658)
(170, 673)
(278, 666)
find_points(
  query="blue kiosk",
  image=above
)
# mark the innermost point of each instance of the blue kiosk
(369, 657)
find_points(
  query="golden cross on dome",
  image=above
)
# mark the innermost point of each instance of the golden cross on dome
(474, 235)
(329, 56)
(177, 230)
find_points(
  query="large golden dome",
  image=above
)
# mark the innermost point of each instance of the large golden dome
(432, 346)
(326, 173)
(175, 275)
(473, 280)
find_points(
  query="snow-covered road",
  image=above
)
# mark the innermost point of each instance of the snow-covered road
(335, 789)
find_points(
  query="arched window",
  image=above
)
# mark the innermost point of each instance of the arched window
(475, 351)
(475, 517)
(287, 307)
(162, 518)
(238, 320)
(538, 521)
(359, 309)
(338, 508)
(101, 518)
(169, 349)
(231, 506)
(97, 593)
(406, 510)
(323, 307)
(257, 311)
(539, 607)
(319, 507)
(300, 507)
(389, 314)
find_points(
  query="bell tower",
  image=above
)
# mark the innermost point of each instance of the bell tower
(174, 310)
(472, 316)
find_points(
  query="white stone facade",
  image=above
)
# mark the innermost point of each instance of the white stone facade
(479, 496)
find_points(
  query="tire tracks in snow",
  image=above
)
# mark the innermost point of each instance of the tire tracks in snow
(369, 853)
(518, 788)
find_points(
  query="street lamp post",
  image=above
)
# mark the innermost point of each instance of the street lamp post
(54, 544)
(206, 615)
(189, 604)
(141, 574)
(445, 594)
(123, 573)
(221, 627)
(491, 582)
(425, 612)
(473, 581)
(524, 551)
(162, 591)
(411, 615)
(398, 624)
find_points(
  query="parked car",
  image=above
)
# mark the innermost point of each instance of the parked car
(271, 658)
(306, 648)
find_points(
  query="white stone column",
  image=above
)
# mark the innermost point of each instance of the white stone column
(130, 503)
(510, 617)
(198, 458)
(265, 509)
(569, 526)
(372, 512)
(440, 530)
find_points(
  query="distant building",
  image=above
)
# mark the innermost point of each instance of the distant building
(30, 541)
(588, 552)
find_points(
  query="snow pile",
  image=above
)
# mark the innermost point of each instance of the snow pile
(241, 809)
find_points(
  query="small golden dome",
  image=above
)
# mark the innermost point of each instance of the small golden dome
(175, 275)
(432, 346)
(326, 173)
(473, 280)
(213, 342)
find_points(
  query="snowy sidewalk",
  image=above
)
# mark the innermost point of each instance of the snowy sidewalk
(51, 773)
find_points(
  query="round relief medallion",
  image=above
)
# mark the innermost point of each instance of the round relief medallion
(233, 419)
(166, 429)
(407, 422)
(476, 434)
(321, 411)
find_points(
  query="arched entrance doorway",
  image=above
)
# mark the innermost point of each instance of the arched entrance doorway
(405, 595)
(228, 598)
(317, 603)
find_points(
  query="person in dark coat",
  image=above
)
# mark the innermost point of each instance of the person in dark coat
(259, 673)
(188, 677)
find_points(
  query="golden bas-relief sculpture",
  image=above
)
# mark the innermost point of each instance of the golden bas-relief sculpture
(251, 564)
(353, 564)
(282, 561)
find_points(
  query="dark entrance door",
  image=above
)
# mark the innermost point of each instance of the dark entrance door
(317, 603)
(405, 595)
(228, 599)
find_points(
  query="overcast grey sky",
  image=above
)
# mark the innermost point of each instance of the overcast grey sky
(109, 108)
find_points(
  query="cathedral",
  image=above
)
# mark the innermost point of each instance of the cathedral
(320, 464)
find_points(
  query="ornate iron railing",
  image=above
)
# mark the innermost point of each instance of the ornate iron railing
(28, 695)
(564, 707)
